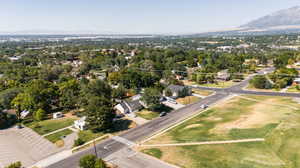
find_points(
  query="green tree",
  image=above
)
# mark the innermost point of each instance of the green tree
(90, 161)
(15, 165)
(39, 115)
(38, 94)
(99, 113)
(151, 98)
(260, 82)
(68, 93)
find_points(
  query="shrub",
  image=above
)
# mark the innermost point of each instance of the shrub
(78, 142)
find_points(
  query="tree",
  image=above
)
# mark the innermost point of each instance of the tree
(39, 115)
(39, 94)
(168, 92)
(7, 96)
(15, 165)
(68, 93)
(99, 113)
(119, 93)
(260, 82)
(151, 98)
(91, 161)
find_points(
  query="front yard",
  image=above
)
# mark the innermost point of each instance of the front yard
(58, 136)
(187, 100)
(48, 126)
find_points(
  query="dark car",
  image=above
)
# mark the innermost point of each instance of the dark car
(162, 114)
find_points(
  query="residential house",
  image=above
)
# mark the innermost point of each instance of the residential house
(176, 91)
(129, 106)
(223, 75)
(81, 123)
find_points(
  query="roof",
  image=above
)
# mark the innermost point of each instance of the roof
(175, 88)
(134, 105)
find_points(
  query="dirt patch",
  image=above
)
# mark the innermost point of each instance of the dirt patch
(259, 114)
(176, 156)
(193, 126)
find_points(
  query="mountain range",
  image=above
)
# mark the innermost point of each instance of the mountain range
(285, 21)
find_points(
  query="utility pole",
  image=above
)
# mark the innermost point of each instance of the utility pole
(95, 149)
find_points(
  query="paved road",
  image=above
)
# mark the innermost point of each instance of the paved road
(111, 146)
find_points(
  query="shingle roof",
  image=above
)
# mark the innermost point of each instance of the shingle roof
(175, 88)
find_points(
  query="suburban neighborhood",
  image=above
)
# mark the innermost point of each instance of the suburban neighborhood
(217, 99)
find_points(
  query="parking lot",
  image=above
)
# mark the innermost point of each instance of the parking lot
(23, 145)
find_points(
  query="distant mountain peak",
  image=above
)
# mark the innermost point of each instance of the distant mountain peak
(285, 17)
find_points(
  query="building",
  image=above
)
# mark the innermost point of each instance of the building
(80, 124)
(223, 75)
(175, 91)
(127, 107)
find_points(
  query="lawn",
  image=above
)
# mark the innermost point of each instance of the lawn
(293, 89)
(277, 119)
(148, 115)
(202, 92)
(187, 100)
(88, 135)
(57, 136)
(47, 126)
(220, 84)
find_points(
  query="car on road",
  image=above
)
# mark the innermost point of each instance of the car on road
(162, 114)
(204, 106)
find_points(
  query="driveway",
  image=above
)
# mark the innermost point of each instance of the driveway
(23, 145)
(173, 105)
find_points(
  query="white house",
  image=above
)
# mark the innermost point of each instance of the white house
(24, 113)
(80, 124)
(127, 107)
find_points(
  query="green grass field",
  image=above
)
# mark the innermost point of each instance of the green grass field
(47, 126)
(277, 119)
(148, 115)
(57, 136)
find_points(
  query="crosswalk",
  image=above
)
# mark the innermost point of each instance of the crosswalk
(124, 141)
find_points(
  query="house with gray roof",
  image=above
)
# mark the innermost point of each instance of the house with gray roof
(175, 91)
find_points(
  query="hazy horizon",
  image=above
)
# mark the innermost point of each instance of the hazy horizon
(131, 16)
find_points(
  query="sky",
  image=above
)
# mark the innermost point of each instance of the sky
(132, 16)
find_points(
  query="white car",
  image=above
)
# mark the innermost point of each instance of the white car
(204, 106)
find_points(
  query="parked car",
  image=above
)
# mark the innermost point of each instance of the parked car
(162, 114)
(204, 106)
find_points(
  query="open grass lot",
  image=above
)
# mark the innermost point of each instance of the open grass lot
(47, 126)
(57, 136)
(146, 114)
(202, 92)
(277, 119)
(188, 100)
